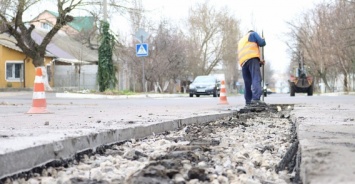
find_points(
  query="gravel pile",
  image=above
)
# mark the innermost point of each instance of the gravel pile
(245, 148)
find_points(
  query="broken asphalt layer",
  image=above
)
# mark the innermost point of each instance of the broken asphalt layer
(325, 129)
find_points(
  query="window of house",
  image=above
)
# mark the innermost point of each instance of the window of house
(45, 26)
(14, 71)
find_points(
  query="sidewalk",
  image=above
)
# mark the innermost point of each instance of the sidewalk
(326, 133)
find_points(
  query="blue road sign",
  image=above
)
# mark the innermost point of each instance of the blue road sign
(142, 49)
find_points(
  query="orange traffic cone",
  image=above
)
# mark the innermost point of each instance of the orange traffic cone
(39, 103)
(223, 93)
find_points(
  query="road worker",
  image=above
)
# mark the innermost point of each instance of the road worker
(249, 60)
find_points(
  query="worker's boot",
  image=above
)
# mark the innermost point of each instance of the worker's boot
(254, 106)
(258, 103)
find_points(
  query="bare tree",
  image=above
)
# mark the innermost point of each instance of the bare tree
(308, 39)
(12, 18)
(136, 15)
(342, 20)
(205, 36)
(213, 35)
(325, 36)
(167, 61)
(230, 36)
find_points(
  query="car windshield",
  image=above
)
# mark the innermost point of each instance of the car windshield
(204, 79)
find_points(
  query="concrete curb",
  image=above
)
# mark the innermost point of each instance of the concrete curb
(336, 94)
(26, 159)
(98, 96)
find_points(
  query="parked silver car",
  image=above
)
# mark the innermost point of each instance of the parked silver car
(205, 85)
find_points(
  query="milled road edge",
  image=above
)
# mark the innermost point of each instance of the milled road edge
(24, 160)
(298, 154)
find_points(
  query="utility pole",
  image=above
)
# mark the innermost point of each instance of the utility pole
(105, 10)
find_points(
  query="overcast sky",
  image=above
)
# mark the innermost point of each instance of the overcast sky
(268, 16)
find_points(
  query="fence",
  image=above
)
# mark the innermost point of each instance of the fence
(75, 77)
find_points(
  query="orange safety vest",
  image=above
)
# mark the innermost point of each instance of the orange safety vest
(247, 50)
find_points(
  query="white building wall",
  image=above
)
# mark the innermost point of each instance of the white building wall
(66, 77)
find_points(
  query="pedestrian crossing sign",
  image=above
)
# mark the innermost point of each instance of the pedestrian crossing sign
(142, 49)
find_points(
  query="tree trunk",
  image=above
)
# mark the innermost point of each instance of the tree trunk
(159, 87)
(38, 60)
(324, 78)
(345, 82)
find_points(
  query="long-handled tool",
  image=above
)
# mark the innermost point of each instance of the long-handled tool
(262, 69)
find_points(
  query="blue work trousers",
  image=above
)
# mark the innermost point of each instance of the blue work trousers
(252, 80)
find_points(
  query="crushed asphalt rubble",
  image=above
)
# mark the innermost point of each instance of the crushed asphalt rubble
(247, 147)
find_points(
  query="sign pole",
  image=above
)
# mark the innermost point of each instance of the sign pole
(143, 77)
(141, 36)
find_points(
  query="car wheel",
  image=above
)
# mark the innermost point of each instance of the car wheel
(197, 95)
(214, 93)
(310, 90)
(292, 91)
(191, 95)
